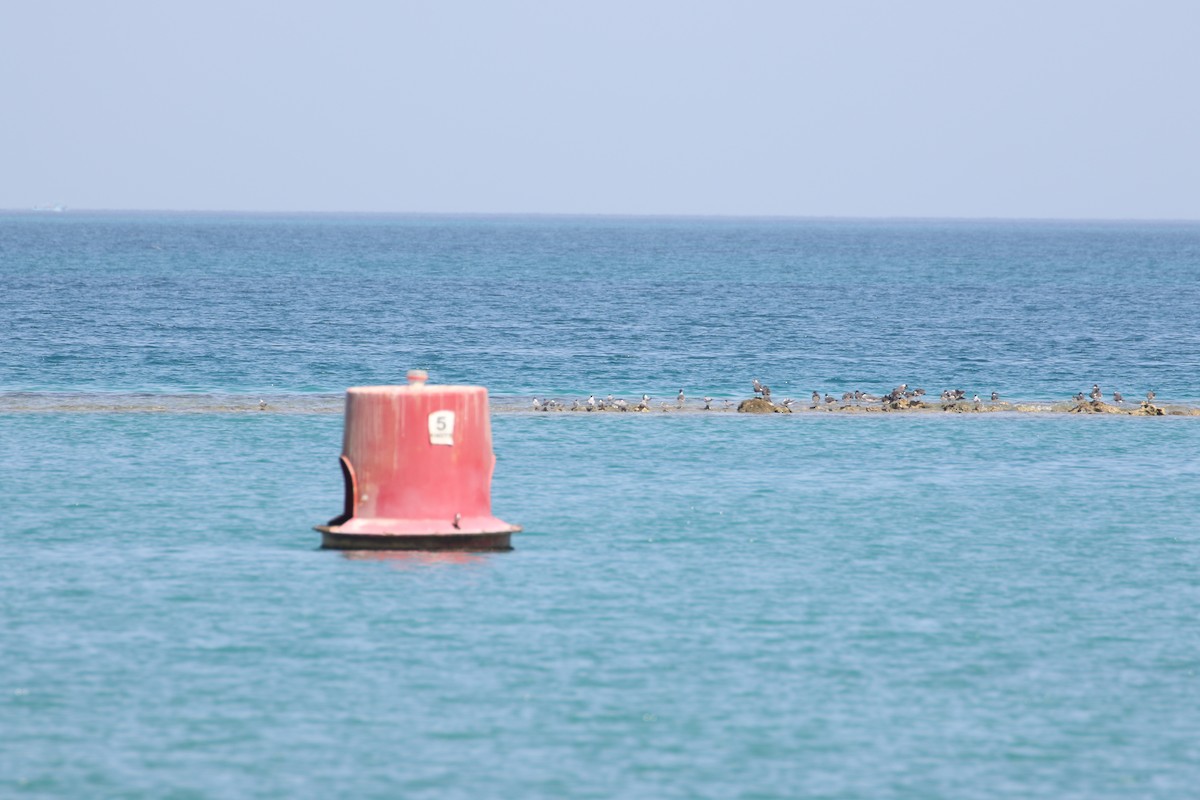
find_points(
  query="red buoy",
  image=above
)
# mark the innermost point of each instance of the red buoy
(417, 463)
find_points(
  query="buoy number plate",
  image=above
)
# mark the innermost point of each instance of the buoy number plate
(441, 427)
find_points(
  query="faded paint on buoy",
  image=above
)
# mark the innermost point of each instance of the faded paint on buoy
(417, 466)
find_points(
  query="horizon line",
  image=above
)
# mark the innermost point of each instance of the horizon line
(53, 211)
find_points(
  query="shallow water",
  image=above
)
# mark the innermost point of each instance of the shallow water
(701, 605)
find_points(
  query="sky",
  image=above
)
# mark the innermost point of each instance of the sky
(830, 109)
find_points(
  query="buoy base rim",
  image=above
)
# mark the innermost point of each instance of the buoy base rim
(332, 539)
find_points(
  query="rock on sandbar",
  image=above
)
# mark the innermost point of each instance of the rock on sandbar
(756, 405)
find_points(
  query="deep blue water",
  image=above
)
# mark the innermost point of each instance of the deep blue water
(575, 306)
(702, 605)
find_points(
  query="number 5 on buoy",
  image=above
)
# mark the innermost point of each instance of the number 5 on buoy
(441, 427)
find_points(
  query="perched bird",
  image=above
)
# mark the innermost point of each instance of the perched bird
(829, 399)
(847, 397)
(262, 404)
(977, 401)
(766, 393)
(816, 399)
(1150, 397)
(1117, 398)
(787, 403)
(537, 404)
(758, 387)
(575, 406)
(728, 404)
(707, 403)
(858, 395)
(995, 397)
(622, 405)
(919, 392)
(1079, 398)
(680, 399)
(591, 402)
(644, 405)
(1096, 395)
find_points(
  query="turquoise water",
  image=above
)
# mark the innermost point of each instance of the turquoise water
(702, 605)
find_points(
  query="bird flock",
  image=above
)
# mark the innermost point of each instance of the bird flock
(898, 398)
(610, 403)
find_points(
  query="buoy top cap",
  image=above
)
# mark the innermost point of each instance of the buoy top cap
(416, 383)
(413, 387)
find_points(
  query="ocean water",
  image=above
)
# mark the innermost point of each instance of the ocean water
(574, 306)
(701, 605)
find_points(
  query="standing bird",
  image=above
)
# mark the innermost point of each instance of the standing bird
(758, 387)
(1117, 398)
(728, 404)
(830, 399)
(995, 397)
(262, 404)
(766, 393)
(537, 404)
(1096, 395)
(816, 399)
(591, 402)
(978, 403)
(644, 405)
(680, 399)
(1150, 397)
(707, 403)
